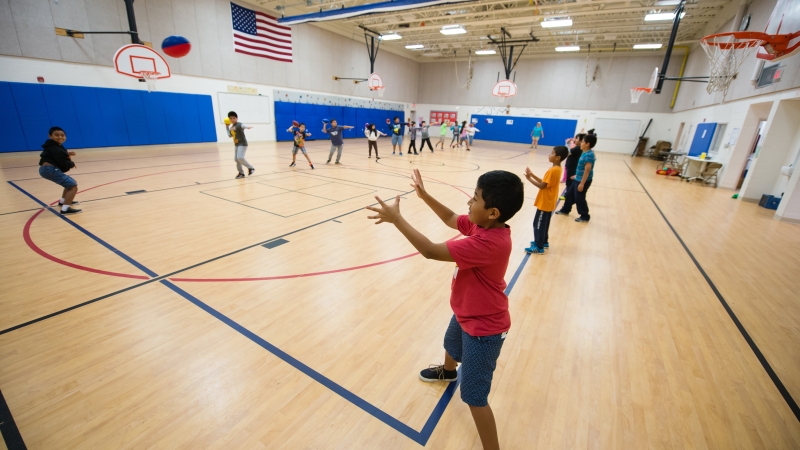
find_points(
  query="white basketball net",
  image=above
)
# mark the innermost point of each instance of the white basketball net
(380, 90)
(150, 78)
(637, 92)
(725, 58)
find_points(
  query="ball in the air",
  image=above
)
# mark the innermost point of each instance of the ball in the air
(295, 123)
(176, 46)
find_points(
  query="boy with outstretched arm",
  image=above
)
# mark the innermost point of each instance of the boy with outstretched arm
(236, 131)
(582, 180)
(546, 199)
(300, 134)
(481, 320)
(337, 140)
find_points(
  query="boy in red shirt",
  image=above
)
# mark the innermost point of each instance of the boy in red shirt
(546, 199)
(481, 321)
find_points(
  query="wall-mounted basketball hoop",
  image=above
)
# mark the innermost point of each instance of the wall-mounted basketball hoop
(141, 62)
(637, 92)
(504, 89)
(375, 84)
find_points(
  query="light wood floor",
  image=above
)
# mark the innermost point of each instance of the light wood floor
(617, 341)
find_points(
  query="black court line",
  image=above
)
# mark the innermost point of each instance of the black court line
(116, 159)
(162, 277)
(8, 427)
(140, 191)
(275, 243)
(787, 397)
(21, 210)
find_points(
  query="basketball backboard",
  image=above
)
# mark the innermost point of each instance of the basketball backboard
(505, 88)
(133, 59)
(785, 19)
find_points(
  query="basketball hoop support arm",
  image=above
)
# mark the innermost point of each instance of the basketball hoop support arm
(507, 51)
(131, 24)
(372, 50)
(676, 21)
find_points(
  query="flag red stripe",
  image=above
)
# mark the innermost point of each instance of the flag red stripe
(255, 47)
(277, 36)
(260, 15)
(263, 41)
(275, 29)
(262, 56)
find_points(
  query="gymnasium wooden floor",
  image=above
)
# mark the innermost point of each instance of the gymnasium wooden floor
(269, 312)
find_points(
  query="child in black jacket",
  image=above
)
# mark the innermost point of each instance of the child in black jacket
(54, 161)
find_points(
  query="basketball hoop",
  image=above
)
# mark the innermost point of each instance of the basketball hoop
(727, 51)
(637, 92)
(504, 89)
(150, 78)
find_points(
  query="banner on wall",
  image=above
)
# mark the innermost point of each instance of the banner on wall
(439, 116)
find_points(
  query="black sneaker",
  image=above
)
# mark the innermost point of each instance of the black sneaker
(561, 213)
(337, 162)
(376, 158)
(241, 175)
(328, 162)
(292, 164)
(581, 219)
(416, 153)
(74, 202)
(71, 210)
(312, 166)
(250, 171)
(438, 373)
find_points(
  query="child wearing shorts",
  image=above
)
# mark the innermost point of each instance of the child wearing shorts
(300, 135)
(481, 320)
(54, 162)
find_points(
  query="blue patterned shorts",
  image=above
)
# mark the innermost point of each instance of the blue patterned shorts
(478, 357)
(58, 177)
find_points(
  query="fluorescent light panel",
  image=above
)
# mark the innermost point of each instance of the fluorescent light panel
(485, 52)
(432, 54)
(557, 23)
(452, 29)
(568, 48)
(661, 16)
(415, 46)
(647, 46)
(391, 37)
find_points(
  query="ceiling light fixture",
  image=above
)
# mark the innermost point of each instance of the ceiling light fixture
(568, 48)
(556, 23)
(647, 46)
(485, 52)
(391, 37)
(432, 54)
(654, 17)
(452, 29)
(415, 46)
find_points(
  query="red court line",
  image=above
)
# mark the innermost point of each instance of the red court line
(299, 275)
(26, 234)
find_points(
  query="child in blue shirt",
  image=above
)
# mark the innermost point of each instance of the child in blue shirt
(576, 195)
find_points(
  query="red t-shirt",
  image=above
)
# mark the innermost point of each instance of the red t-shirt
(478, 298)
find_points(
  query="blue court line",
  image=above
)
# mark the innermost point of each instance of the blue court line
(420, 437)
(86, 232)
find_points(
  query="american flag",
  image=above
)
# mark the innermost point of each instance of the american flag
(257, 34)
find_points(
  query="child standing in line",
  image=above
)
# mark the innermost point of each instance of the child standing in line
(337, 141)
(536, 134)
(426, 138)
(546, 199)
(576, 195)
(300, 135)
(481, 321)
(442, 132)
(397, 135)
(412, 131)
(456, 131)
(54, 161)
(571, 166)
(236, 131)
(471, 130)
(372, 135)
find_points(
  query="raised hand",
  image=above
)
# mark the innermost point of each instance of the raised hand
(386, 213)
(417, 183)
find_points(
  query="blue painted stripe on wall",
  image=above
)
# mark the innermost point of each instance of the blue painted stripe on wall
(12, 138)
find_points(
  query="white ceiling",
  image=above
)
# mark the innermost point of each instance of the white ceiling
(600, 24)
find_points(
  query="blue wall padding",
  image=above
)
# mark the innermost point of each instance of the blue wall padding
(87, 108)
(135, 117)
(208, 131)
(61, 110)
(101, 117)
(12, 137)
(156, 120)
(556, 131)
(32, 113)
(312, 116)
